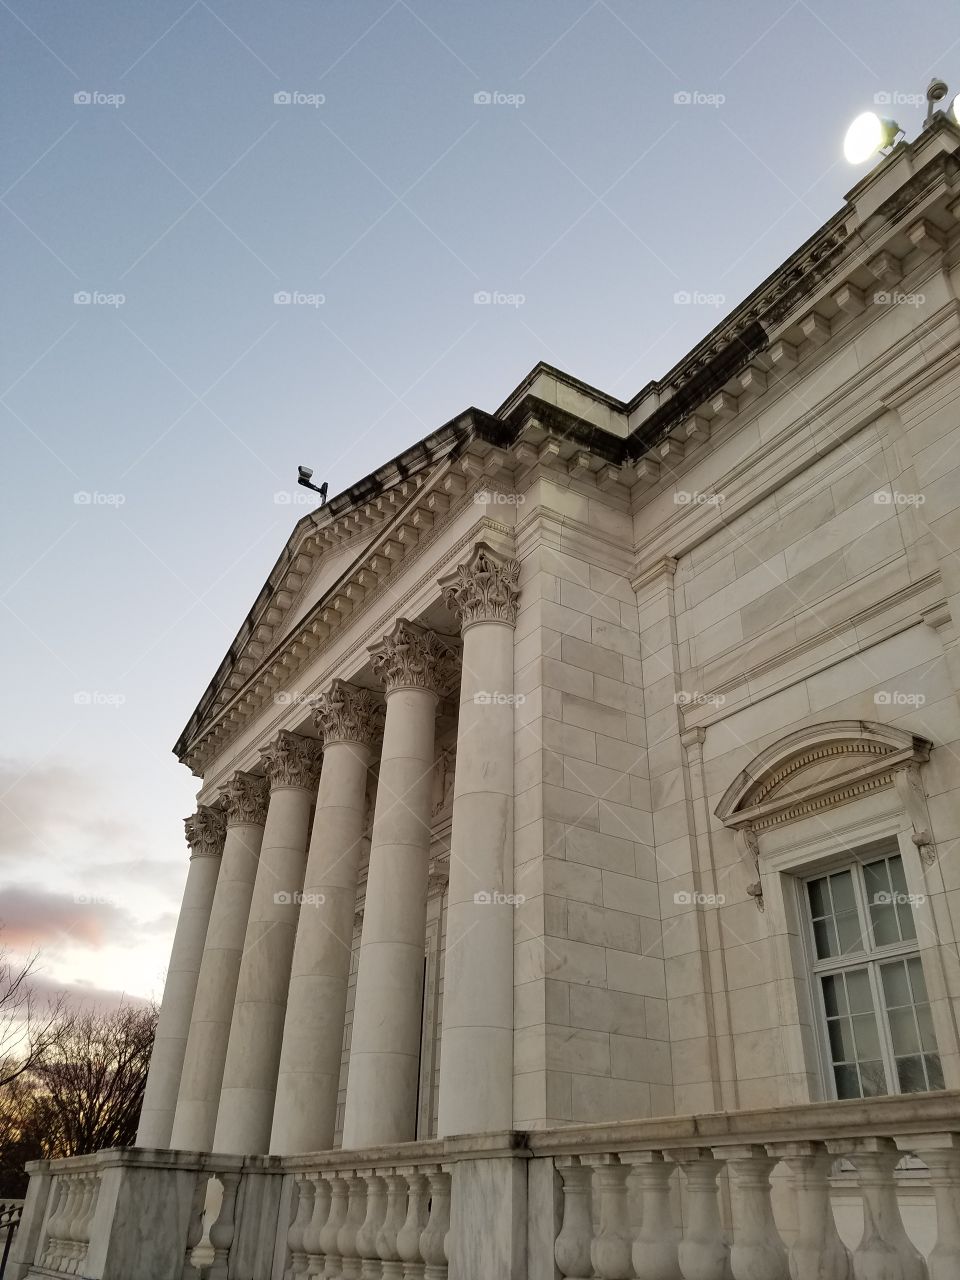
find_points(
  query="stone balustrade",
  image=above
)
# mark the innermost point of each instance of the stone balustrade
(833, 1191)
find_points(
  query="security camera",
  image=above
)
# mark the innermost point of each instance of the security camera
(305, 473)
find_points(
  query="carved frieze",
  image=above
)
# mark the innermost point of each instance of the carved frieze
(205, 831)
(483, 589)
(292, 761)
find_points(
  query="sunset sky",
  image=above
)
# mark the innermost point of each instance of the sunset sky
(619, 174)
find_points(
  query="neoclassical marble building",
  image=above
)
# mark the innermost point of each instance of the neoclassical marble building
(576, 850)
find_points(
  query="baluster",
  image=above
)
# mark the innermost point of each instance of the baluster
(331, 1230)
(396, 1216)
(347, 1235)
(370, 1227)
(72, 1254)
(314, 1233)
(194, 1228)
(572, 1248)
(53, 1222)
(757, 1252)
(817, 1252)
(408, 1237)
(433, 1238)
(86, 1218)
(703, 1253)
(656, 1245)
(940, 1152)
(885, 1251)
(62, 1248)
(611, 1248)
(302, 1218)
(222, 1231)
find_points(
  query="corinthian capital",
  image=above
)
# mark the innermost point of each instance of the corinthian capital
(245, 799)
(292, 761)
(484, 589)
(411, 657)
(347, 714)
(205, 830)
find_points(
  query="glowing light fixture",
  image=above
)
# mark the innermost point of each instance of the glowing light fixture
(868, 135)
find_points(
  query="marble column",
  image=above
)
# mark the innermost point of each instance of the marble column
(205, 834)
(244, 804)
(476, 1055)
(304, 1118)
(381, 1105)
(292, 765)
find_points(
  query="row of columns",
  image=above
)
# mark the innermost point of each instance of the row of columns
(247, 1057)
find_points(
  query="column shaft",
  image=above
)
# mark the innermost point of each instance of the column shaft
(309, 1079)
(476, 1058)
(202, 1077)
(381, 1104)
(205, 836)
(245, 1114)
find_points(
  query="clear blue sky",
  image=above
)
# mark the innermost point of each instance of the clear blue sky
(597, 198)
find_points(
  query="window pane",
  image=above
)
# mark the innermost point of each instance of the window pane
(905, 916)
(834, 999)
(876, 881)
(874, 1079)
(841, 890)
(917, 981)
(934, 1073)
(841, 1040)
(896, 988)
(897, 877)
(866, 1037)
(885, 929)
(825, 937)
(911, 1075)
(858, 991)
(848, 1082)
(815, 891)
(903, 1031)
(928, 1040)
(848, 931)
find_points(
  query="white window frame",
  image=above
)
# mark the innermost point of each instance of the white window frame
(870, 958)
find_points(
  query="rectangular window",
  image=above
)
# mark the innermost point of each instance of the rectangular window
(878, 1030)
